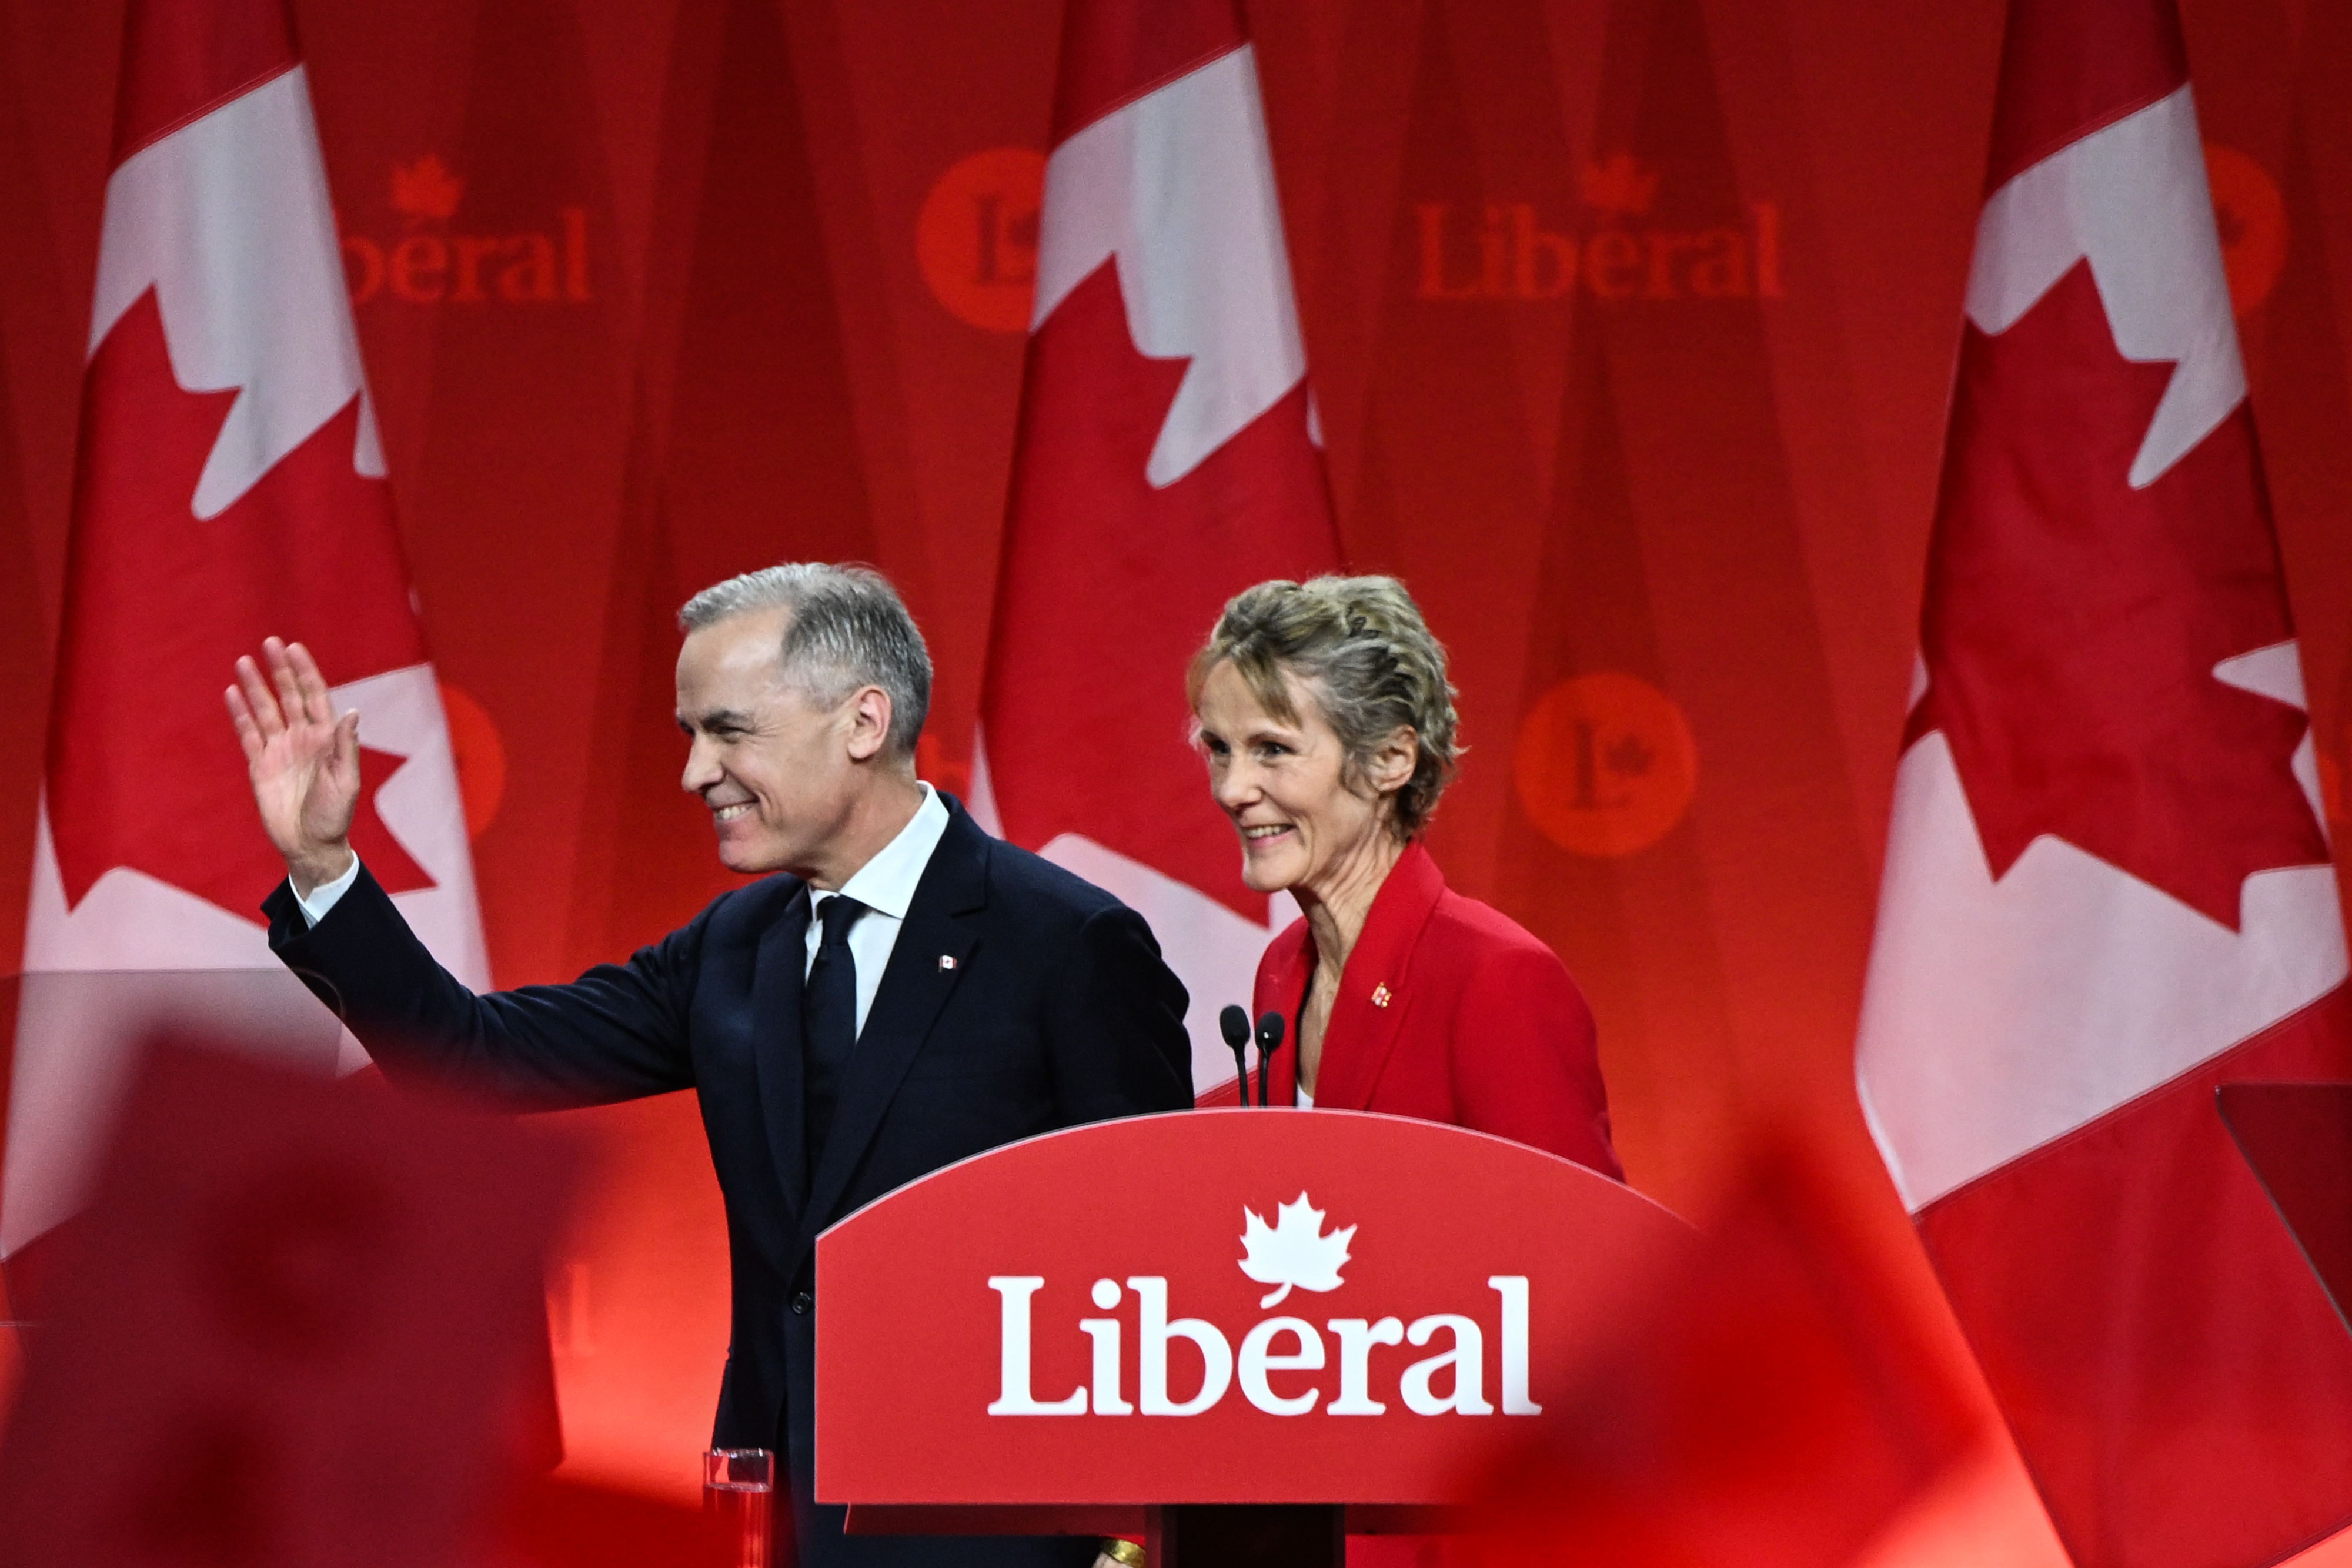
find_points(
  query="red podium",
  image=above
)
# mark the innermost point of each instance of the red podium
(1235, 1332)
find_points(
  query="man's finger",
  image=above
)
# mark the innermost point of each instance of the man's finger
(249, 734)
(347, 746)
(317, 705)
(260, 706)
(282, 676)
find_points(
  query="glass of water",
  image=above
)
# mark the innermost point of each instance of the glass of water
(738, 1486)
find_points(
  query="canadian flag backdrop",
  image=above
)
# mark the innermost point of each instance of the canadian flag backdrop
(1630, 327)
(1167, 457)
(230, 486)
(2109, 890)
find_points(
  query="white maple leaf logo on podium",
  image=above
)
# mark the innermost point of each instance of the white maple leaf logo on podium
(1292, 1250)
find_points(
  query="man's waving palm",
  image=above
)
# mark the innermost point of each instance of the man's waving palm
(305, 761)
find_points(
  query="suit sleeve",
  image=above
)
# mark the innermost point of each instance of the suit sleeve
(616, 1033)
(1115, 1024)
(1526, 1062)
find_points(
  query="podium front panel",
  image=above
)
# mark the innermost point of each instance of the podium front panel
(1216, 1306)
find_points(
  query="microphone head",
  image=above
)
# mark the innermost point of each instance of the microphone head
(1233, 1024)
(1269, 1032)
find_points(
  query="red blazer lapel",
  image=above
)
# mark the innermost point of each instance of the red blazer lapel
(1282, 974)
(1369, 1011)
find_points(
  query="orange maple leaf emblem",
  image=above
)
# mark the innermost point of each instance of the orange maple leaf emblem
(427, 189)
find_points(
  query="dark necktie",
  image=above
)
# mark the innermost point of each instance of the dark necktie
(828, 1020)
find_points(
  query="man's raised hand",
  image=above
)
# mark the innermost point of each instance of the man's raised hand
(304, 761)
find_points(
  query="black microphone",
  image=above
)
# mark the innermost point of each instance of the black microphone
(1269, 1041)
(1233, 1024)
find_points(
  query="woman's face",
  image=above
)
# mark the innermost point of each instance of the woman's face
(1282, 783)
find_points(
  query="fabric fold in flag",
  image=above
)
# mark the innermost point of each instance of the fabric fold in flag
(230, 486)
(1167, 458)
(2108, 890)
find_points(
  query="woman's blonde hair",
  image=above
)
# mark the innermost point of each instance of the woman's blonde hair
(1360, 649)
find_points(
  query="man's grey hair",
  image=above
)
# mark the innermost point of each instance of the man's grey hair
(848, 629)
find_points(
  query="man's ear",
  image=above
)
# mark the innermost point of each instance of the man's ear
(869, 722)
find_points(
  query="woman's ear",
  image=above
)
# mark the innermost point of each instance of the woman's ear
(1394, 760)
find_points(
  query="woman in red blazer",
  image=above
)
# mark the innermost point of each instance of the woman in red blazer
(1328, 725)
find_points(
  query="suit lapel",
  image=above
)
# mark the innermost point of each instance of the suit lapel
(1374, 1000)
(915, 987)
(776, 1048)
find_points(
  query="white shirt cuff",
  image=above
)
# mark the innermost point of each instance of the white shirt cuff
(323, 896)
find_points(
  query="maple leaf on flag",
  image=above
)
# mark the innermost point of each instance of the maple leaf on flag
(2073, 623)
(1292, 1250)
(1088, 515)
(143, 771)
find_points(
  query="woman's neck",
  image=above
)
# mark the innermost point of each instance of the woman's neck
(1336, 909)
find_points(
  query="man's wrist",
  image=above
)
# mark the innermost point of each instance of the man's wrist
(310, 872)
(321, 899)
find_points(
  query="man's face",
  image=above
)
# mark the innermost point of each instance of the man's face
(774, 769)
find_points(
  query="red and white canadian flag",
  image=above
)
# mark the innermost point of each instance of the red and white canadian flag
(1168, 458)
(2107, 887)
(230, 486)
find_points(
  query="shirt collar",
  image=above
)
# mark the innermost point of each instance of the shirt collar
(885, 883)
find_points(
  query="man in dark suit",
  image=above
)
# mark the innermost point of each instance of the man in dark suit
(903, 992)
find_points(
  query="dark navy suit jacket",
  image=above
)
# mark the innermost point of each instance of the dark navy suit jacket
(1018, 999)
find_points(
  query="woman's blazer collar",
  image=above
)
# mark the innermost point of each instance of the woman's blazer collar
(1375, 992)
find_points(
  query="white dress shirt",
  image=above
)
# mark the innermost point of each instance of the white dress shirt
(324, 897)
(885, 885)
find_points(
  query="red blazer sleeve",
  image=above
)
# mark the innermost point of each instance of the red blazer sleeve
(1525, 1060)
